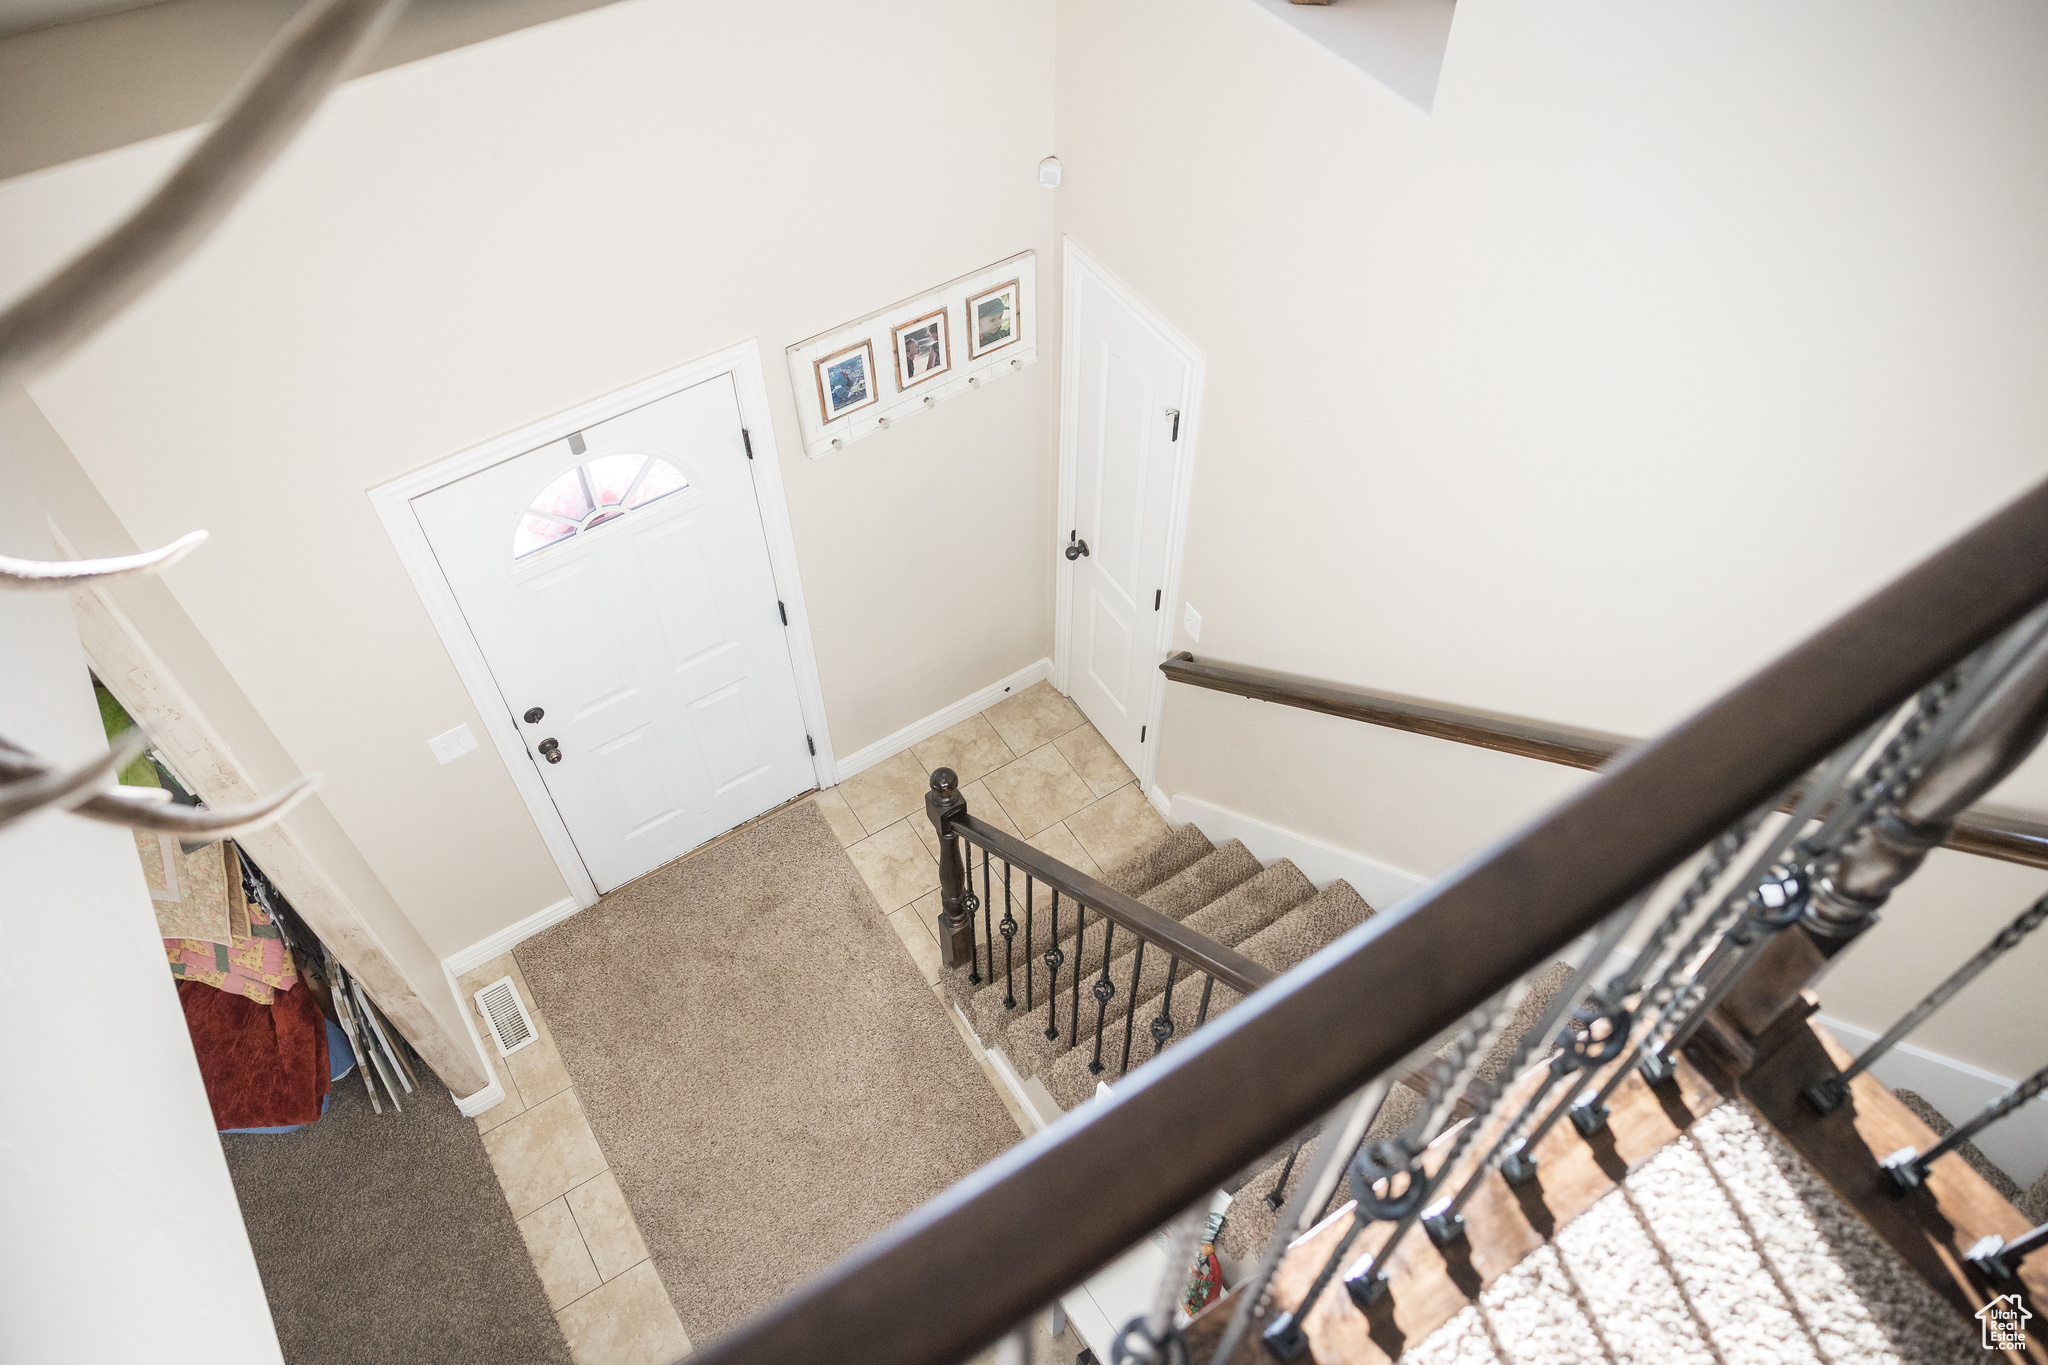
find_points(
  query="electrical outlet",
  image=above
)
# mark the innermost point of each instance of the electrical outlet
(454, 744)
(1191, 621)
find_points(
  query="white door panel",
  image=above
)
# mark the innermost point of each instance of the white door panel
(1129, 381)
(648, 634)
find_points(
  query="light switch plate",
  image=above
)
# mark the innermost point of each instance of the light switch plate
(1191, 621)
(454, 744)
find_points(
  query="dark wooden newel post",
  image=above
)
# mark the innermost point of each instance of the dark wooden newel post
(956, 899)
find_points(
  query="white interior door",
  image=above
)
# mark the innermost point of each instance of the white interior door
(1130, 385)
(618, 585)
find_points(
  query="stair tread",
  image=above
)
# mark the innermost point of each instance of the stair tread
(1179, 896)
(1179, 849)
(1232, 917)
(1292, 938)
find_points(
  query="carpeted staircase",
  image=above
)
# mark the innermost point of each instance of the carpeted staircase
(1650, 1273)
(1273, 915)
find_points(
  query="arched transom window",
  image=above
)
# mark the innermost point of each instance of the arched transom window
(591, 494)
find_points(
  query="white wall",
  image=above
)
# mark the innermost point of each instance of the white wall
(460, 246)
(119, 1217)
(1673, 331)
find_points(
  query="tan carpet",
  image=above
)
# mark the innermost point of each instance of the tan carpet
(384, 1238)
(1722, 1249)
(770, 1077)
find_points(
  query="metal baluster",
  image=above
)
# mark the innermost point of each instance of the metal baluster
(1277, 1196)
(987, 910)
(1827, 1094)
(1908, 1169)
(1202, 1014)
(1448, 1223)
(1366, 1283)
(1162, 1023)
(1158, 1341)
(1102, 990)
(1054, 956)
(1131, 1007)
(1284, 1336)
(1009, 930)
(2000, 1259)
(1080, 952)
(1030, 963)
(1343, 1131)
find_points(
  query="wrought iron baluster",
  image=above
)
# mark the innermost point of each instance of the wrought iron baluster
(1102, 990)
(1202, 1014)
(1827, 1094)
(1131, 1007)
(1343, 1130)
(2000, 1259)
(987, 910)
(1908, 1168)
(1162, 1023)
(1009, 930)
(1030, 964)
(1448, 1223)
(1368, 1280)
(1277, 1196)
(1080, 953)
(1054, 956)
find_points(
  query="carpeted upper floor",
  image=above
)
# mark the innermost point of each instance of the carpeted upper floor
(386, 1238)
(769, 1076)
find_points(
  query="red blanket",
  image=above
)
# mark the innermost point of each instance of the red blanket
(265, 1066)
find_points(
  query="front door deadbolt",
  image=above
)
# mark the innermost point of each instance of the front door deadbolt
(533, 715)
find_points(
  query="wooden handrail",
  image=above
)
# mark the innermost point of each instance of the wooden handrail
(1198, 951)
(1988, 831)
(1201, 1111)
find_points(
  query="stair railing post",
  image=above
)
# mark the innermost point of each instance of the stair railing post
(956, 902)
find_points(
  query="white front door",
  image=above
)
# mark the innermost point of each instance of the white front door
(618, 585)
(1130, 385)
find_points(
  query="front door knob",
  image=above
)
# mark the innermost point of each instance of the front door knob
(1077, 549)
(533, 715)
(551, 751)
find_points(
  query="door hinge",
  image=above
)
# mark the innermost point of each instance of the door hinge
(784, 611)
(1141, 733)
(1156, 593)
(812, 745)
(748, 437)
(1174, 413)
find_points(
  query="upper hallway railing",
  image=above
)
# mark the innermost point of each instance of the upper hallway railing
(1985, 830)
(1327, 1030)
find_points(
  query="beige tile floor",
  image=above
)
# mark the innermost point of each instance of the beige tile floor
(1031, 764)
(586, 1246)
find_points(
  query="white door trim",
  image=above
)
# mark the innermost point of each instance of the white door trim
(1075, 264)
(393, 504)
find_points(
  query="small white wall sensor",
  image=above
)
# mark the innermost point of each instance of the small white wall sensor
(1049, 171)
(454, 744)
(1191, 620)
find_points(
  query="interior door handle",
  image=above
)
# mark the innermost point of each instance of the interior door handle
(551, 751)
(1076, 549)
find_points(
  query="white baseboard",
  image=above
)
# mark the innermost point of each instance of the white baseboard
(920, 730)
(1380, 884)
(488, 1098)
(2017, 1144)
(509, 937)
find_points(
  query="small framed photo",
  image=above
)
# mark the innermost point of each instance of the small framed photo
(922, 350)
(846, 381)
(991, 320)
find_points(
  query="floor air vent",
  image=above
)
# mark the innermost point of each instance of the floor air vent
(511, 1026)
